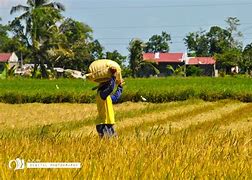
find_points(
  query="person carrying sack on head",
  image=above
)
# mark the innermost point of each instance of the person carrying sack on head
(104, 100)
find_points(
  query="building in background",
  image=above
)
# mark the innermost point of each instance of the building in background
(176, 60)
(8, 58)
(164, 59)
(206, 64)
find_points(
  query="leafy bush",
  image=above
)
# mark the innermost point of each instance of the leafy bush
(194, 71)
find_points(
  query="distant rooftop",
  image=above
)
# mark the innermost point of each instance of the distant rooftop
(201, 60)
(4, 57)
(163, 57)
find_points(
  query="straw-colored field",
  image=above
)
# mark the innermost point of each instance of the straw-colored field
(189, 139)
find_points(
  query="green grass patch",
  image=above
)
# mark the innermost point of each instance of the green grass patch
(152, 89)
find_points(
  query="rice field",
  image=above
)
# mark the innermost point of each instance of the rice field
(176, 140)
(155, 90)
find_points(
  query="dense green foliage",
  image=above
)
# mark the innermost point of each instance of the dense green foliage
(41, 35)
(224, 44)
(152, 89)
(158, 43)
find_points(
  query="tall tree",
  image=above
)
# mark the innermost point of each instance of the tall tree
(233, 24)
(218, 40)
(228, 59)
(31, 26)
(10, 44)
(138, 66)
(45, 18)
(96, 50)
(117, 57)
(232, 55)
(197, 43)
(158, 43)
(79, 41)
(246, 61)
(39, 16)
(3, 37)
(28, 9)
(136, 55)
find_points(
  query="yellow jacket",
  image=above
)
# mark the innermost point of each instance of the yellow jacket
(105, 110)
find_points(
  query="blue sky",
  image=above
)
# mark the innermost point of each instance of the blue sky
(115, 22)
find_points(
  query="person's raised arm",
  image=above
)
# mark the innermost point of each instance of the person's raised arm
(115, 97)
(108, 88)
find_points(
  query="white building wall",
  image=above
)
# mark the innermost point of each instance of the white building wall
(13, 61)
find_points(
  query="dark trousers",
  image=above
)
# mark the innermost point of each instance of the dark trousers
(105, 130)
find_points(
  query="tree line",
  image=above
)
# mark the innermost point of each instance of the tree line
(43, 36)
(224, 44)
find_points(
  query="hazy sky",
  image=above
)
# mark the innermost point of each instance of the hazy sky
(115, 22)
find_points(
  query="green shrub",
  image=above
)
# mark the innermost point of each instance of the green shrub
(194, 71)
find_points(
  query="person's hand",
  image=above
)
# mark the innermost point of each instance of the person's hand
(121, 83)
(112, 70)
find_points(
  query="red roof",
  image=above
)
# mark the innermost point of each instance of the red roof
(201, 60)
(4, 57)
(163, 57)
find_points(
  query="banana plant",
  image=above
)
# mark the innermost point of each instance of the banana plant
(7, 72)
(3, 75)
(179, 71)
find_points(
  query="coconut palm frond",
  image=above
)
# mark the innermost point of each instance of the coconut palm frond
(18, 8)
(25, 16)
(39, 3)
(56, 5)
(59, 6)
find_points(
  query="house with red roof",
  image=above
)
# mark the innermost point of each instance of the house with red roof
(207, 64)
(10, 58)
(164, 59)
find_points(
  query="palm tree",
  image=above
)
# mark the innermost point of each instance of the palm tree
(34, 4)
(136, 55)
(39, 16)
(28, 15)
(136, 61)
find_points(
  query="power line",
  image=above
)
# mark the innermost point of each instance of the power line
(127, 44)
(162, 6)
(159, 26)
(127, 38)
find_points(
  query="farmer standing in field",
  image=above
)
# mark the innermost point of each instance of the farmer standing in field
(104, 100)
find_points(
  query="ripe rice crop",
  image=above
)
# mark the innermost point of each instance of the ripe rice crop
(175, 140)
